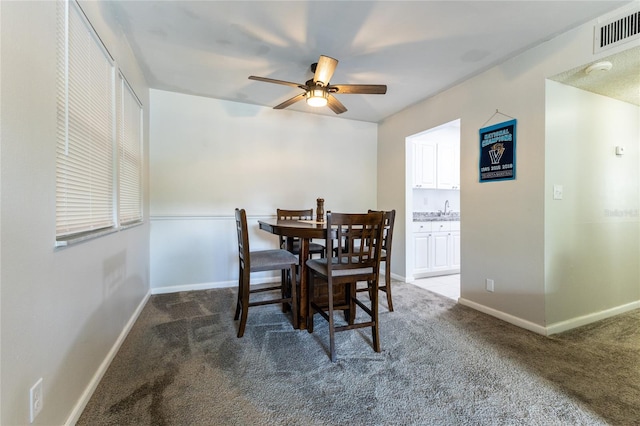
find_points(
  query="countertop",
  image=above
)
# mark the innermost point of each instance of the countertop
(435, 216)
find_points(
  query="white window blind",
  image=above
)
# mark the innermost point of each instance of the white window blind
(86, 129)
(99, 159)
(130, 155)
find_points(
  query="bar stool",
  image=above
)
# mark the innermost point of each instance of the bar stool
(357, 244)
(263, 260)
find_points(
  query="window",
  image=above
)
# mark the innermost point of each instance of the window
(130, 155)
(99, 140)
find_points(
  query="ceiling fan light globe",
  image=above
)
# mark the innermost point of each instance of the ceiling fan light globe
(316, 102)
(317, 97)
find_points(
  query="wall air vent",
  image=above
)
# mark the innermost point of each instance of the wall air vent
(616, 31)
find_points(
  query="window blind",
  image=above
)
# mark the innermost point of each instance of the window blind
(130, 155)
(86, 128)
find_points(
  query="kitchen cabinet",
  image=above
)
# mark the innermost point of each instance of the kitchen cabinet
(448, 166)
(422, 242)
(436, 248)
(436, 165)
(441, 243)
(424, 165)
(455, 248)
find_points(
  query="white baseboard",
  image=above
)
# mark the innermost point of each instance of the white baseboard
(95, 380)
(210, 285)
(528, 325)
(436, 274)
(226, 284)
(399, 277)
(561, 326)
(199, 286)
(556, 327)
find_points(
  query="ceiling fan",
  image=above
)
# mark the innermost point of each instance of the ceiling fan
(319, 92)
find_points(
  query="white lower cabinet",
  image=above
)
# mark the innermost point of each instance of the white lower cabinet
(422, 247)
(436, 247)
(455, 248)
(440, 252)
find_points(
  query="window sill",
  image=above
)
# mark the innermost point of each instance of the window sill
(131, 225)
(86, 236)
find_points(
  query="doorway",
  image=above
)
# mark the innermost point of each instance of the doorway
(433, 208)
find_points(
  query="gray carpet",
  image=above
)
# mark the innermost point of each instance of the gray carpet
(441, 363)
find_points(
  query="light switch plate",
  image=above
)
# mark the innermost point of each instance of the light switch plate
(35, 400)
(557, 192)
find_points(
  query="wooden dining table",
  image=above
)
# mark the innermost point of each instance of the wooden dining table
(305, 230)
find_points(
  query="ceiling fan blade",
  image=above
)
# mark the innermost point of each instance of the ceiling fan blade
(324, 70)
(365, 89)
(291, 101)
(335, 105)
(271, 80)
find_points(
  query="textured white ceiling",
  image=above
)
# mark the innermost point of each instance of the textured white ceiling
(416, 48)
(621, 82)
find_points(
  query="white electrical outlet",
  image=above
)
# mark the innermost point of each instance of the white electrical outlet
(35, 400)
(489, 284)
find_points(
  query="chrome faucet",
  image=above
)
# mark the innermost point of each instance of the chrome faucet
(446, 204)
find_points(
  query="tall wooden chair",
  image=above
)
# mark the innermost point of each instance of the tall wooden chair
(389, 218)
(314, 248)
(356, 240)
(263, 260)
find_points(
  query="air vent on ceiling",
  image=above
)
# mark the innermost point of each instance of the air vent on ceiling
(616, 31)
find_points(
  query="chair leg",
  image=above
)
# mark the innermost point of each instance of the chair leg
(332, 336)
(387, 287)
(238, 303)
(245, 304)
(374, 317)
(310, 310)
(350, 314)
(238, 306)
(295, 314)
(285, 289)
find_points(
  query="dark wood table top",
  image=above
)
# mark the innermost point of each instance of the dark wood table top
(295, 228)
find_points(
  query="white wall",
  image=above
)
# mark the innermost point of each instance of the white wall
(495, 244)
(503, 227)
(210, 156)
(591, 235)
(62, 310)
(432, 200)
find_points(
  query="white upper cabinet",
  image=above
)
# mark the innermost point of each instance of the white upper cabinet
(448, 166)
(436, 165)
(424, 165)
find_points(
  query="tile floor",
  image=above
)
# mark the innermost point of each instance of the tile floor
(446, 285)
